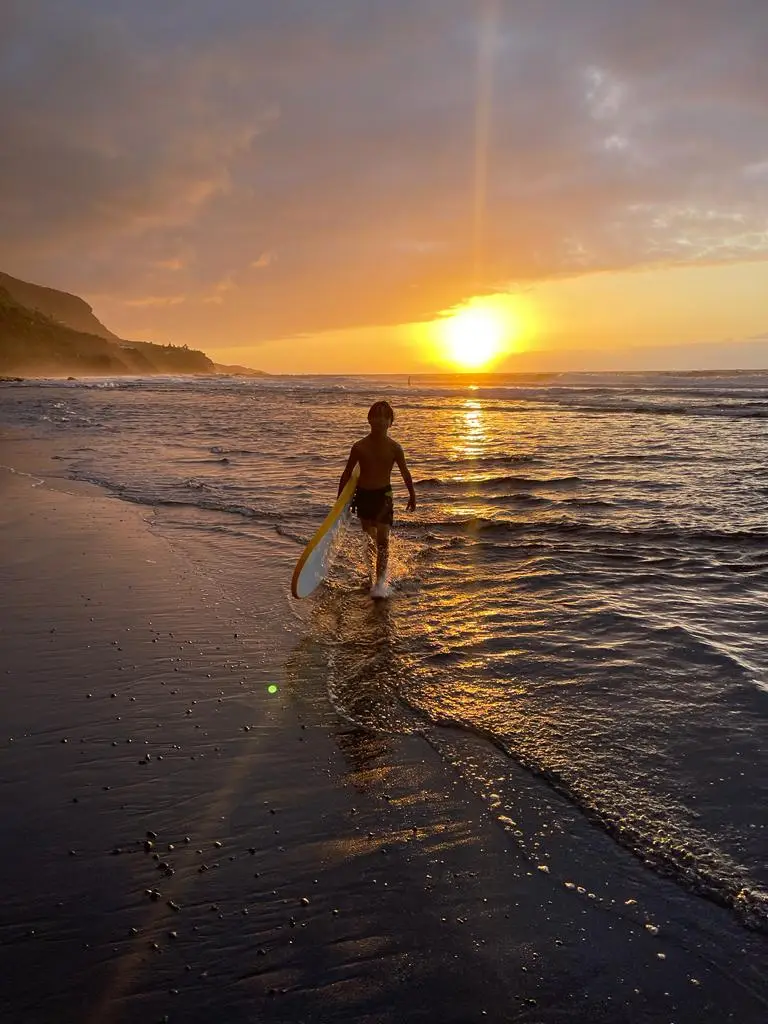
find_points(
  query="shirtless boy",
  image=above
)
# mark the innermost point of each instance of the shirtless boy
(377, 453)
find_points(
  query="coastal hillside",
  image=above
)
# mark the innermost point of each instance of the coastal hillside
(239, 371)
(45, 332)
(60, 306)
(33, 343)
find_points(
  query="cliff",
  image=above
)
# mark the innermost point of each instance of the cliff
(45, 332)
(60, 306)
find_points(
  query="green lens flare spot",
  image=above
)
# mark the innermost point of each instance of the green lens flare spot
(272, 688)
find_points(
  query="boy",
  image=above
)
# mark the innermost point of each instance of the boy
(377, 454)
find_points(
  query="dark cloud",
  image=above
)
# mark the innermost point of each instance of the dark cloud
(160, 151)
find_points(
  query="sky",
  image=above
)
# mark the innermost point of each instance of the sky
(320, 185)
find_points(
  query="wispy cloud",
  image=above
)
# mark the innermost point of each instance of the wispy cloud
(156, 300)
(217, 293)
(265, 260)
(172, 264)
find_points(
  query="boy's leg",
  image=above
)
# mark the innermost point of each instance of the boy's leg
(382, 550)
(369, 528)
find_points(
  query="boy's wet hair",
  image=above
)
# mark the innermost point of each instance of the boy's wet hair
(381, 407)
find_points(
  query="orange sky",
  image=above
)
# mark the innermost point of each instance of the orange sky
(306, 188)
(585, 321)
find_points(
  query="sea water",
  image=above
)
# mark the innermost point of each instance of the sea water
(582, 588)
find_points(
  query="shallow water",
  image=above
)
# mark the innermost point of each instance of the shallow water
(584, 581)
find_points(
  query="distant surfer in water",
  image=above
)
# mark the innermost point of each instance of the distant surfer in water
(377, 454)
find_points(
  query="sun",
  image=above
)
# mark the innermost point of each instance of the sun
(480, 332)
(473, 337)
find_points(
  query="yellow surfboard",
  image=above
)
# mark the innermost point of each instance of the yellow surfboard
(312, 567)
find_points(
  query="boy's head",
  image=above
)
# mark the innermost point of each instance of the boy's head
(381, 415)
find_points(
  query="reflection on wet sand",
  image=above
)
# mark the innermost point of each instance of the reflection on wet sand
(351, 654)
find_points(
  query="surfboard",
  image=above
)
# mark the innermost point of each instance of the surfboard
(314, 562)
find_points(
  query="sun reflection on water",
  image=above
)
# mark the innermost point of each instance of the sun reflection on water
(471, 435)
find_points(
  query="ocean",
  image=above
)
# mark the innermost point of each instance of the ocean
(580, 594)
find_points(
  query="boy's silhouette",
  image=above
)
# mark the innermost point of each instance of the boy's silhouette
(377, 453)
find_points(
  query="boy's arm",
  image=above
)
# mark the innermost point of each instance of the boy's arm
(352, 461)
(407, 478)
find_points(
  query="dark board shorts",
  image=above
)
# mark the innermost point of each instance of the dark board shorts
(375, 506)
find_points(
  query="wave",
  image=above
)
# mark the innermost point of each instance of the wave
(519, 498)
(588, 503)
(488, 483)
(492, 460)
(752, 410)
(218, 449)
(602, 401)
(223, 461)
(679, 851)
(199, 495)
(720, 395)
(481, 525)
(690, 860)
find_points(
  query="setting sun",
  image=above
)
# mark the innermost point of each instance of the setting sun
(479, 333)
(474, 337)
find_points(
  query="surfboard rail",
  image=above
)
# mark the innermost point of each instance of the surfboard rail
(302, 586)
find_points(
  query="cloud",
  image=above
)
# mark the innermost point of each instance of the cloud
(344, 135)
(218, 292)
(156, 300)
(264, 261)
(173, 263)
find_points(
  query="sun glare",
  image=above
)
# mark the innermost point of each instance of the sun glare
(474, 337)
(478, 334)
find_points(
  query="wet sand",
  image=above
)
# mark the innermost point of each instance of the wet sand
(181, 843)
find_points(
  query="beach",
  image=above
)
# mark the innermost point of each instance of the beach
(194, 832)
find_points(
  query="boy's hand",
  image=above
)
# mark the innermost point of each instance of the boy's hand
(411, 506)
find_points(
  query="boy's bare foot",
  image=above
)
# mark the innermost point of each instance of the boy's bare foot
(380, 588)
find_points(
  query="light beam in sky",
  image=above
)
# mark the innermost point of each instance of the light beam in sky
(483, 112)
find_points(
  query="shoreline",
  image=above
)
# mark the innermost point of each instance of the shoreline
(418, 905)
